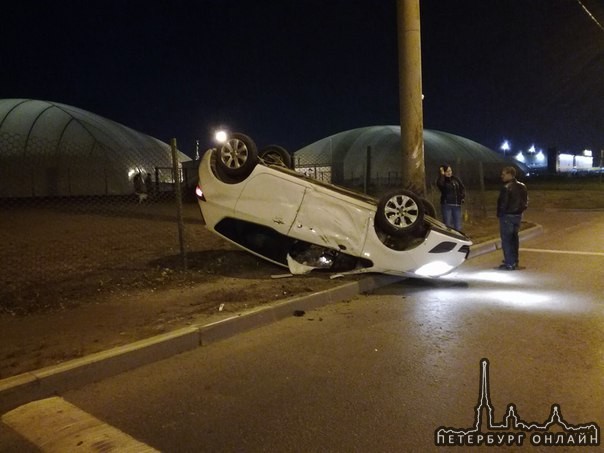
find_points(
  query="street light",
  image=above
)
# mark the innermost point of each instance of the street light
(221, 136)
(505, 146)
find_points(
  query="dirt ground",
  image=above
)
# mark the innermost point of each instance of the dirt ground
(56, 321)
(112, 304)
(42, 339)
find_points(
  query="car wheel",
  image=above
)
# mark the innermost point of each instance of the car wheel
(429, 208)
(276, 155)
(399, 213)
(237, 157)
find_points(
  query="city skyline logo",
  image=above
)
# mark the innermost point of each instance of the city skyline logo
(512, 430)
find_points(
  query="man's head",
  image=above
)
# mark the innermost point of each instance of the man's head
(508, 174)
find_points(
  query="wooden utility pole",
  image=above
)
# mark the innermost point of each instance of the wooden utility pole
(410, 96)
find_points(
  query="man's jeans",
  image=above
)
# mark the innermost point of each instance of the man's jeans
(509, 225)
(451, 215)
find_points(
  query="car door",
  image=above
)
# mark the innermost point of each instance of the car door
(331, 220)
(271, 199)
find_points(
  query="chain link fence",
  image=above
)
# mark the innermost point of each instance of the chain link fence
(76, 223)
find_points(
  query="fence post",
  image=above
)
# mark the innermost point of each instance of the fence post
(601, 163)
(483, 206)
(178, 195)
(156, 181)
(367, 177)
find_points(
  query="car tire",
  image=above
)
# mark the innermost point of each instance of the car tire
(399, 213)
(276, 155)
(237, 157)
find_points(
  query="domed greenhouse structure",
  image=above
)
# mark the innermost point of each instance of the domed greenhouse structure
(48, 149)
(373, 154)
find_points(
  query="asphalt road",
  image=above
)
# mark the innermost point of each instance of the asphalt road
(382, 372)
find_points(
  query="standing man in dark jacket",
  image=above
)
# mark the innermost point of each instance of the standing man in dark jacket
(452, 195)
(512, 202)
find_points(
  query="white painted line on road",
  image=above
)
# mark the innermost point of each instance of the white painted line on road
(564, 252)
(55, 425)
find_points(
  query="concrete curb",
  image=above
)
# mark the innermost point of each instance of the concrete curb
(495, 244)
(48, 381)
(45, 382)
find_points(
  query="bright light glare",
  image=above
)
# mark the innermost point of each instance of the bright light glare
(486, 276)
(535, 300)
(505, 146)
(512, 299)
(520, 157)
(220, 136)
(532, 149)
(521, 299)
(198, 191)
(540, 156)
(434, 269)
(502, 289)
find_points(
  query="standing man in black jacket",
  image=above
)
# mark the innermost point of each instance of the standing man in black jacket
(512, 202)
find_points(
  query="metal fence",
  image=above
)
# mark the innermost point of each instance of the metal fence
(76, 228)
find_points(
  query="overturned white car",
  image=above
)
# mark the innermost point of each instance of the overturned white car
(256, 201)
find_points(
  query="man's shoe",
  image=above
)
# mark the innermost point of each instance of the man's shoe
(505, 267)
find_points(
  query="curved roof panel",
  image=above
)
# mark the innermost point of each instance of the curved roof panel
(53, 149)
(347, 152)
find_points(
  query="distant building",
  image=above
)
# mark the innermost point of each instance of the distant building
(554, 161)
(49, 149)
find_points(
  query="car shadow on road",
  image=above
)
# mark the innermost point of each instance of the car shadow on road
(414, 285)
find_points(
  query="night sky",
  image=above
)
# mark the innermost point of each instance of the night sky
(291, 72)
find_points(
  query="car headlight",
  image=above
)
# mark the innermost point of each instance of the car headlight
(434, 269)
